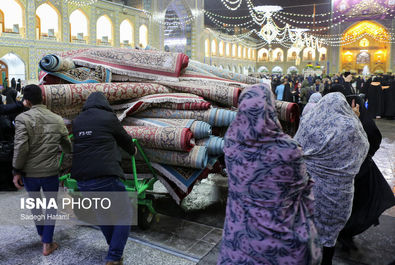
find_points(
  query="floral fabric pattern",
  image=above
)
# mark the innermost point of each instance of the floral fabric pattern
(167, 138)
(334, 145)
(269, 209)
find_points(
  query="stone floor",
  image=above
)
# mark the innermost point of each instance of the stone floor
(186, 234)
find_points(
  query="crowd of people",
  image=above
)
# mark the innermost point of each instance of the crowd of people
(377, 91)
(290, 199)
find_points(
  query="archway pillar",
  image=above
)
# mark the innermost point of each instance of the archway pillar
(117, 30)
(392, 56)
(65, 27)
(31, 19)
(334, 53)
(92, 25)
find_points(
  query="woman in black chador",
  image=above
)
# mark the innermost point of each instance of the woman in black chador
(375, 99)
(372, 195)
(389, 101)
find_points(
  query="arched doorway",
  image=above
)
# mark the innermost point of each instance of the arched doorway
(3, 72)
(367, 47)
(178, 32)
(277, 70)
(292, 70)
(12, 67)
(263, 69)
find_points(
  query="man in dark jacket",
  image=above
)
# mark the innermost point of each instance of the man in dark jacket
(96, 164)
(7, 144)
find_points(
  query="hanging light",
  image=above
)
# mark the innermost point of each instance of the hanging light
(80, 3)
(269, 31)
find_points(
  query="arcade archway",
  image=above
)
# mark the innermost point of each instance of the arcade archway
(178, 33)
(11, 66)
(365, 47)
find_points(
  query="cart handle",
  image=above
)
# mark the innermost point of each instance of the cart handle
(134, 169)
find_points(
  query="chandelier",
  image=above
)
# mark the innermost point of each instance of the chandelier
(270, 32)
(80, 3)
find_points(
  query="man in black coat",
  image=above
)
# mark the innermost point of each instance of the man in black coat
(97, 166)
(7, 144)
(10, 94)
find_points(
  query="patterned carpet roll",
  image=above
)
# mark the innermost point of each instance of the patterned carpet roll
(200, 129)
(196, 158)
(151, 65)
(220, 93)
(214, 116)
(215, 145)
(55, 63)
(223, 73)
(179, 181)
(168, 138)
(77, 76)
(289, 116)
(287, 111)
(170, 100)
(67, 99)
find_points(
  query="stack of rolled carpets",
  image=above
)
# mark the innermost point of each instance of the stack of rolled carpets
(149, 99)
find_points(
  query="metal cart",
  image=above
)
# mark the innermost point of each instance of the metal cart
(146, 211)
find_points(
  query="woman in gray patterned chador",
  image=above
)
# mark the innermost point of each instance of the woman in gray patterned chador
(335, 145)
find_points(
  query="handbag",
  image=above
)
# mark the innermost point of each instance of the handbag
(6, 151)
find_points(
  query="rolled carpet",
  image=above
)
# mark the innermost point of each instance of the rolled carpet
(196, 158)
(151, 65)
(223, 73)
(67, 99)
(287, 111)
(55, 63)
(77, 76)
(200, 129)
(289, 116)
(168, 100)
(179, 181)
(215, 145)
(220, 93)
(167, 138)
(214, 116)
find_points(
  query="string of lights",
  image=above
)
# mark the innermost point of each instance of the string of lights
(228, 3)
(225, 17)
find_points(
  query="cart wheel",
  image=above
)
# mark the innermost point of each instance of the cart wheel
(145, 217)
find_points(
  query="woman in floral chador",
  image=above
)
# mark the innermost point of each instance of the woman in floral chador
(269, 210)
(334, 145)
